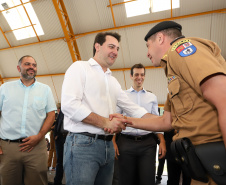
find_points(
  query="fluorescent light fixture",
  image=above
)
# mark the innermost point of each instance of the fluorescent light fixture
(139, 7)
(161, 5)
(17, 18)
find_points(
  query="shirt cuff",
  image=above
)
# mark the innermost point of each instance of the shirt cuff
(81, 114)
(139, 113)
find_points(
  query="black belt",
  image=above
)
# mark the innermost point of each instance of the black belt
(15, 140)
(103, 137)
(137, 138)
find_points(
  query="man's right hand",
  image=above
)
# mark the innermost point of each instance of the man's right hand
(114, 126)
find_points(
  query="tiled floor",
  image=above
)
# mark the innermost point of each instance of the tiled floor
(164, 180)
(51, 175)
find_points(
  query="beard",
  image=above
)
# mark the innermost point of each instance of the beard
(27, 76)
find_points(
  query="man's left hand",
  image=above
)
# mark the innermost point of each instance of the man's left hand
(29, 143)
(162, 150)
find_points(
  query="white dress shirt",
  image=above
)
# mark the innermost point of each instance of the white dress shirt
(87, 88)
(144, 99)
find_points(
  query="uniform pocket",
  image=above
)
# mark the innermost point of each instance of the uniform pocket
(179, 97)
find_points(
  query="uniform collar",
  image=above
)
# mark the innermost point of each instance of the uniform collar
(177, 39)
(94, 63)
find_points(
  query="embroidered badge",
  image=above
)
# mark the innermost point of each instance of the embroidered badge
(180, 48)
(186, 49)
(179, 43)
(170, 79)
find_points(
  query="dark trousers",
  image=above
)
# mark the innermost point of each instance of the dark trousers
(174, 172)
(116, 173)
(59, 143)
(136, 161)
(160, 169)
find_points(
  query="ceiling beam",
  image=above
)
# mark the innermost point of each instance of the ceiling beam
(5, 37)
(1, 80)
(22, 4)
(71, 32)
(17, 5)
(29, 20)
(121, 3)
(154, 21)
(18, 29)
(67, 29)
(76, 36)
(16, 77)
(50, 40)
(112, 13)
(60, 74)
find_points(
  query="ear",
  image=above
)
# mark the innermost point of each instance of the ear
(97, 47)
(18, 68)
(131, 77)
(160, 38)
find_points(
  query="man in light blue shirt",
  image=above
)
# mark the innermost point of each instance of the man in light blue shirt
(27, 112)
(136, 148)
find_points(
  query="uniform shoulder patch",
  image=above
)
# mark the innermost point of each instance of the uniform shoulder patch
(186, 49)
(179, 43)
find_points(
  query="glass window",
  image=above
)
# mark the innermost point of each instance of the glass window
(18, 19)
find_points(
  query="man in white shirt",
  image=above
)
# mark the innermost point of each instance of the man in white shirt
(136, 148)
(89, 95)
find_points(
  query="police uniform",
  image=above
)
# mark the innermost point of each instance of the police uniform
(185, 68)
(187, 63)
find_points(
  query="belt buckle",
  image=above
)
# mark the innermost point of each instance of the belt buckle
(105, 137)
(138, 138)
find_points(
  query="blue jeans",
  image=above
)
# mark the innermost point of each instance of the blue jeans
(88, 161)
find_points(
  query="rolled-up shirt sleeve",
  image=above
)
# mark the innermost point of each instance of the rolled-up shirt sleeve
(118, 110)
(130, 108)
(72, 94)
(155, 107)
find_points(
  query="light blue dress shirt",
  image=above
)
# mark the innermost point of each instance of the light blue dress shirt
(144, 99)
(23, 109)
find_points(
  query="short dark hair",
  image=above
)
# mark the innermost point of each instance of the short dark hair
(21, 59)
(170, 32)
(101, 38)
(140, 66)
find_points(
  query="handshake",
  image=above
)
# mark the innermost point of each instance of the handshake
(116, 123)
